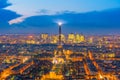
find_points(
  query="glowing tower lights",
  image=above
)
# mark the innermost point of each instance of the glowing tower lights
(60, 32)
(59, 55)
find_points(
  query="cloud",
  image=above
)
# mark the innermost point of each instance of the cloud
(23, 17)
(47, 12)
(102, 22)
(66, 12)
(18, 20)
(40, 13)
(5, 16)
(98, 22)
(4, 3)
(43, 11)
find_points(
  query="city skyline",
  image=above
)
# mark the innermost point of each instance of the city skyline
(33, 57)
(87, 17)
(60, 40)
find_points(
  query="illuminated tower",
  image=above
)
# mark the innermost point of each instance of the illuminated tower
(57, 70)
(59, 54)
(60, 33)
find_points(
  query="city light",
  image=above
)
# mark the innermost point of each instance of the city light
(61, 40)
(101, 76)
(34, 50)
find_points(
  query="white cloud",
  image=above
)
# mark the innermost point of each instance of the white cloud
(18, 20)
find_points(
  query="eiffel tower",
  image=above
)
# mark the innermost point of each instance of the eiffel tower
(59, 55)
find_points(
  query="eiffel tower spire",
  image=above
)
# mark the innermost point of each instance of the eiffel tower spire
(60, 32)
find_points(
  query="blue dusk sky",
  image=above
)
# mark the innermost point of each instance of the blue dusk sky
(78, 16)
